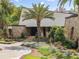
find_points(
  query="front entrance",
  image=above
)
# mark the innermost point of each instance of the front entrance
(44, 32)
(10, 33)
(33, 31)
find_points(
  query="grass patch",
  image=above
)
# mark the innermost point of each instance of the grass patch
(31, 57)
(6, 41)
(45, 50)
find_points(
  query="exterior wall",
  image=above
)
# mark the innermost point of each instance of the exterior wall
(16, 31)
(69, 23)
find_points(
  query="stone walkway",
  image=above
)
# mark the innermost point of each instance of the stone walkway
(13, 51)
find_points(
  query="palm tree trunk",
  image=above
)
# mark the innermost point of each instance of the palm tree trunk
(38, 29)
(78, 34)
(1, 24)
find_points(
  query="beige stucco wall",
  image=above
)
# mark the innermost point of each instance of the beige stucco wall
(69, 23)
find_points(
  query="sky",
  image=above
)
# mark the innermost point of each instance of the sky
(28, 3)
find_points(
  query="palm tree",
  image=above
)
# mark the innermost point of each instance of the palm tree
(75, 3)
(38, 12)
(5, 10)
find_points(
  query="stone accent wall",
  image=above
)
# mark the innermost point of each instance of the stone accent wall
(16, 31)
(69, 23)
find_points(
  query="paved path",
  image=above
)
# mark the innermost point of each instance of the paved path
(13, 51)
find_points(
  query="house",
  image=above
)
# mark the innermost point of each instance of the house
(30, 25)
(72, 27)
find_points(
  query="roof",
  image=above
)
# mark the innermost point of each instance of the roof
(59, 20)
(33, 23)
(73, 15)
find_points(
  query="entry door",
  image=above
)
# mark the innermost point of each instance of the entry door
(44, 32)
(33, 31)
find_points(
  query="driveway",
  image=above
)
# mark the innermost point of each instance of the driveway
(13, 51)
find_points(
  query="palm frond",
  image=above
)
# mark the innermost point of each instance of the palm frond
(38, 11)
(61, 3)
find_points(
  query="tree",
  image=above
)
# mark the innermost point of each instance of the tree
(15, 15)
(75, 3)
(38, 12)
(5, 10)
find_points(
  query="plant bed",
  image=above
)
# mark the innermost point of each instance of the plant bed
(5, 42)
(45, 50)
(30, 44)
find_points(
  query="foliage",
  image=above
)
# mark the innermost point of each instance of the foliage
(9, 13)
(33, 57)
(56, 53)
(52, 32)
(63, 55)
(45, 51)
(44, 58)
(69, 44)
(15, 15)
(5, 10)
(38, 12)
(63, 2)
(57, 33)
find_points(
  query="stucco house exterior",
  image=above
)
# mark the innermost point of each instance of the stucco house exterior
(30, 25)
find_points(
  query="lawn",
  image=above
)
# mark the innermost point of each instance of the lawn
(31, 57)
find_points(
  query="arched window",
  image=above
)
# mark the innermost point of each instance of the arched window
(72, 33)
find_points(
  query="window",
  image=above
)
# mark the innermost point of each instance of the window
(72, 33)
(10, 32)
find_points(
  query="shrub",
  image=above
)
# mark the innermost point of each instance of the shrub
(44, 58)
(68, 44)
(45, 51)
(57, 33)
(58, 54)
(74, 57)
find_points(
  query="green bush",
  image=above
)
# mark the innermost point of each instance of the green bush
(45, 51)
(58, 54)
(44, 58)
(71, 57)
(68, 44)
(57, 33)
(75, 57)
